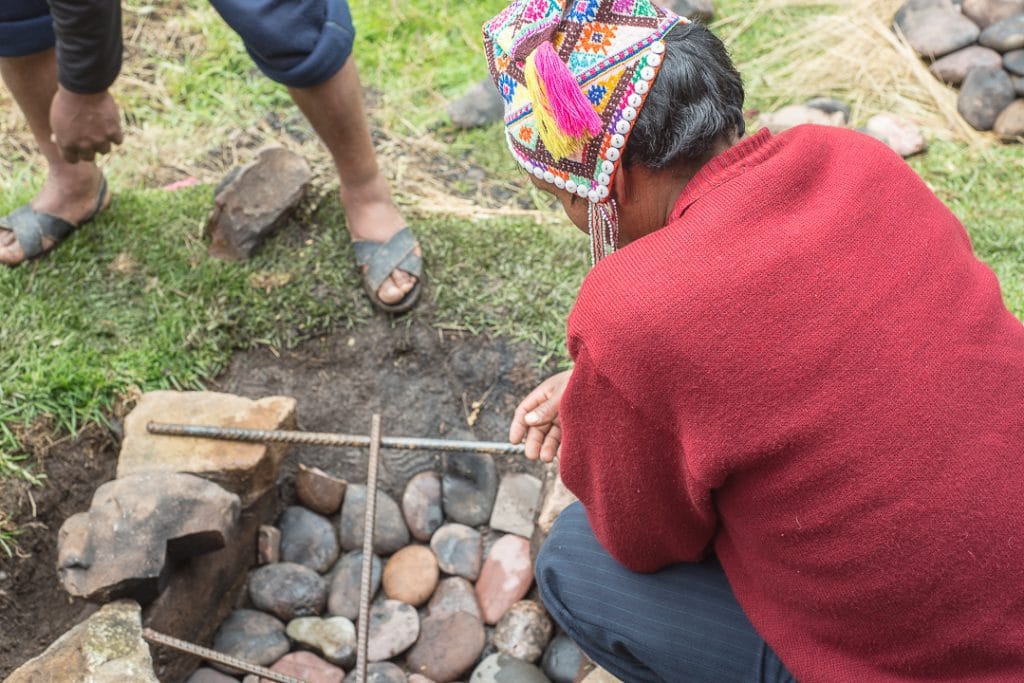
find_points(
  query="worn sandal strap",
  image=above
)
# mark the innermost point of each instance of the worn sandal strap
(381, 259)
(31, 226)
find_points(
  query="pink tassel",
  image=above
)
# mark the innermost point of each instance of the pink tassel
(573, 113)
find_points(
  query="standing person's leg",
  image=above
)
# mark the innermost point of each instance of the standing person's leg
(307, 46)
(28, 65)
(680, 624)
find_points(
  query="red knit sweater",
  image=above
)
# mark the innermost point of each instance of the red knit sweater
(809, 371)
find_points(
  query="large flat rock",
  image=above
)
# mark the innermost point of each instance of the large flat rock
(246, 469)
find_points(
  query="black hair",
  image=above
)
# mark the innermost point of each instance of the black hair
(696, 100)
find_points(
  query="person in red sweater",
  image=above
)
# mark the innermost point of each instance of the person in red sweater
(795, 420)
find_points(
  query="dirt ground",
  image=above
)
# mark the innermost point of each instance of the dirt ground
(423, 381)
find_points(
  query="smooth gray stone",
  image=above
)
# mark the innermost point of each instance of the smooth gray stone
(1005, 35)
(480, 106)
(288, 590)
(469, 487)
(345, 583)
(334, 638)
(937, 32)
(562, 659)
(459, 550)
(389, 530)
(912, 6)
(308, 539)
(830, 105)
(984, 94)
(501, 668)
(421, 505)
(953, 68)
(385, 672)
(987, 12)
(253, 636)
(1013, 62)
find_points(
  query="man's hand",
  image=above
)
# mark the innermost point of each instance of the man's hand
(84, 125)
(536, 419)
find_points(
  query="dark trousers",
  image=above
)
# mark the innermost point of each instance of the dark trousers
(297, 43)
(679, 625)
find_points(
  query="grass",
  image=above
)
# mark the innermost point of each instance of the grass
(133, 303)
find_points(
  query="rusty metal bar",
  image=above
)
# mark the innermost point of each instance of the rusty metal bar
(214, 656)
(366, 580)
(329, 439)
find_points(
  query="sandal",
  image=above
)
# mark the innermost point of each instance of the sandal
(30, 226)
(377, 260)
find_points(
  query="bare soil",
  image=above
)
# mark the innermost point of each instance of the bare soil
(424, 381)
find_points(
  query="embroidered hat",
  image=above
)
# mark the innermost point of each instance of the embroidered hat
(574, 75)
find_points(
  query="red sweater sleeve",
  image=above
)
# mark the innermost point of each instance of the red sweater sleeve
(648, 514)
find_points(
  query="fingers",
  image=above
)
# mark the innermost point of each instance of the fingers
(534, 441)
(519, 425)
(552, 442)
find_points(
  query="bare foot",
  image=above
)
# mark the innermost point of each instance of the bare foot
(70, 192)
(372, 216)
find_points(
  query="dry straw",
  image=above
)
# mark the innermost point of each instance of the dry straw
(851, 52)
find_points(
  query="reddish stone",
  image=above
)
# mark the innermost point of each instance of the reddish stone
(505, 578)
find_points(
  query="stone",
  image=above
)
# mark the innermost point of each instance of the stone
(448, 646)
(268, 545)
(983, 95)
(599, 675)
(523, 631)
(1013, 62)
(394, 627)
(912, 6)
(556, 498)
(830, 105)
(246, 469)
(206, 675)
(136, 529)
(253, 636)
(515, 506)
(500, 668)
(308, 539)
(937, 32)
(421, 505)
(346, 580)
(307, 667)
(389, 530)
(505, 578)
(481, 105)
(1018, 85)
(562, 659)
(468, 488)
(953, 67)
(319, 491)
(797, 115)
(419, 678)
(105, 648)
(987, 12)
(333, 637)
(203, 591)
(411, 575)
(384, 672)
(288, 590)
(900, 134)
(1010, 122)
(1005, 35)
(253, 201)
(459, 550)
(452, 595)
(694, 10)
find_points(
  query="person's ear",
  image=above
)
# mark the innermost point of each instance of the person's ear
(622, 185)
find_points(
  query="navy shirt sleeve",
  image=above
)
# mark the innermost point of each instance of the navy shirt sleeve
(89, 43)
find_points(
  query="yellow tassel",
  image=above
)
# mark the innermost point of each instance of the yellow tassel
(558, 143)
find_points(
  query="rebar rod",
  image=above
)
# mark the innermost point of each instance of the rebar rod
(216, 657)
(329, 439)
(366, 579)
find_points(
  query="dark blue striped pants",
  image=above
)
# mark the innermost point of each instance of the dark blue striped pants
(679, 625)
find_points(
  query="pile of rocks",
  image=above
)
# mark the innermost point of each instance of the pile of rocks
(977, 45)
(451, 578)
